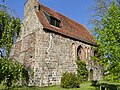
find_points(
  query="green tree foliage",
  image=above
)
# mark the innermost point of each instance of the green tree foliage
(82, 71)
(100, 9)
(69, 80)
(12, 73)
(9, 28)
(108, 39)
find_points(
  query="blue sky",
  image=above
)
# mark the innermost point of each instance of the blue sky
(78, 10)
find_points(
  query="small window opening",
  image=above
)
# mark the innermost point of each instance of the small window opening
(31, 56)
(52, 21)
(96, 54)
(47, 16)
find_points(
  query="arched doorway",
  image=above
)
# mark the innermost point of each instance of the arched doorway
(80, 53)
(91, 74)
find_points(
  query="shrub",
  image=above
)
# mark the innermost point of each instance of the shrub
(108, 86)
(12, 72)
(94, 83)
(69, 80)
(82, 71)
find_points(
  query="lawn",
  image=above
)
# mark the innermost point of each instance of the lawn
(83, 86)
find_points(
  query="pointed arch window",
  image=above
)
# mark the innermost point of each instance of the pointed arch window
(73, 51)
(81, 53)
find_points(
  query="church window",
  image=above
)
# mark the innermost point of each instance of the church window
(73, 51)
(91, 74)
(81, 53)
(96, 53)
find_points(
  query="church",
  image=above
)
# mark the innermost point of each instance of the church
(50, 43)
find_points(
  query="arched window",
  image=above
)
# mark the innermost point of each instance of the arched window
(73, 51)
(88, 53)
(96, 54)
(80, 53)
(91, 74)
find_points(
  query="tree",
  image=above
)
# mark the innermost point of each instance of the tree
(100, 9)
(3, 0)
(11, 71)
(9, 28)
(108, 39)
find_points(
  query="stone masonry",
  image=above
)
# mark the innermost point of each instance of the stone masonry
(49, 54)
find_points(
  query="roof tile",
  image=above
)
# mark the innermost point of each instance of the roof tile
(68, 27)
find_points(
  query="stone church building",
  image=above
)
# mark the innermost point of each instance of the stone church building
(50, 43)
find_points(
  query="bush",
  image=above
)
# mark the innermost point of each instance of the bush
(94, 83)
(109, 86)
(12, 72)
(82, 71)
(70, 80)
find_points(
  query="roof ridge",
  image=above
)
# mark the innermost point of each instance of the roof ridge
(63, 15)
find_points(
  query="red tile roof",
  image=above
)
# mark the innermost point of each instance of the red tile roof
(68, 27)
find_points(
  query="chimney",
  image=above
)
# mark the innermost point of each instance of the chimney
(37, 6)
(33, 3)
(30, 6)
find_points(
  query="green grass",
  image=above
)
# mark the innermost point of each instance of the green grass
(83, 86)
(1, 86)
(115, 83)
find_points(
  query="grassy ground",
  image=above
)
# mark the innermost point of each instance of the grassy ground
(83, 86)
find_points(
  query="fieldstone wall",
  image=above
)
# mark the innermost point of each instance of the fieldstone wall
(28, 46)
(48, 54)
(16, 48)
(58, 58)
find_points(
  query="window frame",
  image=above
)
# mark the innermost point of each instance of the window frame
(52, 20)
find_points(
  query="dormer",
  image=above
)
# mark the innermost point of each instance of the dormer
(52, 20)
